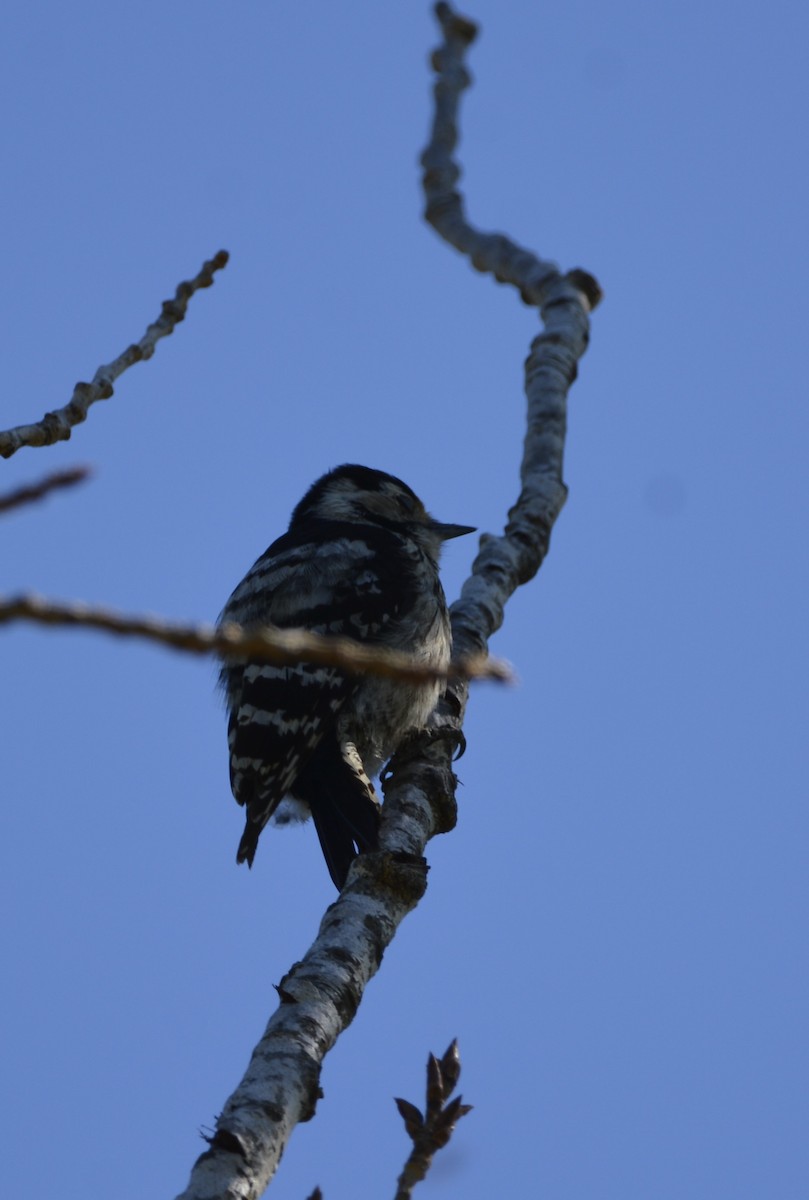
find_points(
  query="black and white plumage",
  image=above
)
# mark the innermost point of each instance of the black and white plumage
(360, 559)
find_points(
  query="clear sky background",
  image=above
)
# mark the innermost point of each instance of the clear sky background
(616, 931)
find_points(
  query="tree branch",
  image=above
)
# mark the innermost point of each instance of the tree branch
(36, 491)
(318, 1000)
(488, 252)
(232, 641)
(564, 301)
(431, 1130)
(56, 426)
(320, 995)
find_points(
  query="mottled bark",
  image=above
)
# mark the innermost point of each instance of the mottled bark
(320, 995)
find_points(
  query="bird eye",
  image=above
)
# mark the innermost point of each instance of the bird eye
(407, 503)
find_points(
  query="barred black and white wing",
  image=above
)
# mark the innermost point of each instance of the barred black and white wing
(325, 576)
(360, 559)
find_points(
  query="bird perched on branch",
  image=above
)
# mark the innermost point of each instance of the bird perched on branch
(360, 559)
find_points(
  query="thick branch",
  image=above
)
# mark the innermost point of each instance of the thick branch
(327, 986)
(318, 1000)
(56, 426)
(232, 641)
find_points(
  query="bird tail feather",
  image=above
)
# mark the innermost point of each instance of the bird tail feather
(347, 825)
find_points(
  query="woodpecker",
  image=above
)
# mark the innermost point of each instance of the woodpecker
(360, 559)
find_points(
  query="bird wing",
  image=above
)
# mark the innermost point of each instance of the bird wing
(280, 714)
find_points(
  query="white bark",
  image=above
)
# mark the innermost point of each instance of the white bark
(318, 1000)
(320, 995)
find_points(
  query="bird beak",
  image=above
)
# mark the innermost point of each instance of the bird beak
(445, 532)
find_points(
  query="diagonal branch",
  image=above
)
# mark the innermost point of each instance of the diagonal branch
(320, 995)
(268, 643)
(37, 491)
(56, 426)
(318, 999)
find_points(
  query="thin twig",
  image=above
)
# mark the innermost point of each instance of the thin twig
(268, 644)
(56, 426)
(320, 995)
(431, 1130)
(36, 491)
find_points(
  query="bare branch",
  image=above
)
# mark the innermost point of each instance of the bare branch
(319, 998)
(232, 641)
(36, 491)
(56, 426)
(419, 795)
(431, 1130)
(280, 1086)
(491, 252)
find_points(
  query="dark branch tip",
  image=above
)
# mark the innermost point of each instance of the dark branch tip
(413, 1120)
(454, 1111)
(436, 1090)
(586, 283)
(451, 1067)
(454, 25)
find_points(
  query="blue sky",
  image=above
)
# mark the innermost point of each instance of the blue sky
(616, 930)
